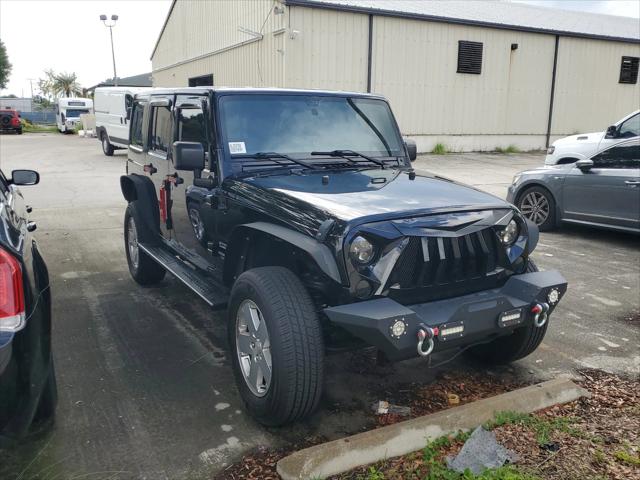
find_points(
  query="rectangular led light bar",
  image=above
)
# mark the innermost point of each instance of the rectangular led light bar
(510, 318)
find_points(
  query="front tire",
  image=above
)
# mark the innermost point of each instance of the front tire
(509, 348)
(144, 269)
(276, 344)
(538, 205)
(107, 148)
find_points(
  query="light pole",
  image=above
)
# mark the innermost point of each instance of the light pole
(112, 24)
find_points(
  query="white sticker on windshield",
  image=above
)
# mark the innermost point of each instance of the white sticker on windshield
(237, 147)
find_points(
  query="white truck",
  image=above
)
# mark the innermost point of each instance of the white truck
(112, 123)
(68, 111)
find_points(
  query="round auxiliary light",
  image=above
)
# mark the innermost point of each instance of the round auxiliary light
(361, 250)
(554, 296)
(398, 328)
(510, 233)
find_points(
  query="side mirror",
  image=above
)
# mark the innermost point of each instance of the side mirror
(188, 155)
(25, 177)
(585, 165)
(612, 132)
(412, 149)
(129, 109)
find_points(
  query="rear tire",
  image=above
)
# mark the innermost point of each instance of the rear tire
(277, 298)
(538, 205)
(509, 348)
(107, 148)
(144, 269)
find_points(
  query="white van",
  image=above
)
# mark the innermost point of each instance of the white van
(112, 125)
(68, 111)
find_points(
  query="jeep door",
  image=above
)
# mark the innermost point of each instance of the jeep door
(608, 193)
(150, 140)
(191, 203)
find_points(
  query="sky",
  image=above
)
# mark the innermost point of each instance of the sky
(68, 36)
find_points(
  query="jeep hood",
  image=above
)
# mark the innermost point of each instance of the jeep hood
(359, 196)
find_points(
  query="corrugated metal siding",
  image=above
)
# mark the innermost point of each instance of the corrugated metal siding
(415, 62)
(588, 96)
(328, 51)
(210, 32)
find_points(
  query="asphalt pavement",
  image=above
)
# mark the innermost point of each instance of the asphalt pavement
(146, 389)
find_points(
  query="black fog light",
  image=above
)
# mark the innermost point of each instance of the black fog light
(363, 289)
(510, 318)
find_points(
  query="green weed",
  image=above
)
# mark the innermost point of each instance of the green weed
(439, 149)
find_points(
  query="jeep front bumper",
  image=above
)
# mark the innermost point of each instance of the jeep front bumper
(455, 322)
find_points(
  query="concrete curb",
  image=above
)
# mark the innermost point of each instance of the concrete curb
(339, 456)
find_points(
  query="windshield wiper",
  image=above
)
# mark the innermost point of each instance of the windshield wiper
(350, 153)
(274, 155)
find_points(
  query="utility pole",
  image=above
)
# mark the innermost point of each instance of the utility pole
(114, 19)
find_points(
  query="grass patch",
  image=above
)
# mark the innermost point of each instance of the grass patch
(543, 427)
(31, 128)
(439, 149)
(509, 149)
(625, 457)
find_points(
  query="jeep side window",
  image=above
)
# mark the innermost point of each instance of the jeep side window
(627, 156)
(191, 126)
(160, 129)
(136, 125)
(630, 128)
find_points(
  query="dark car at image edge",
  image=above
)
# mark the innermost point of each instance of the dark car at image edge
(300, 213)
(28, 392)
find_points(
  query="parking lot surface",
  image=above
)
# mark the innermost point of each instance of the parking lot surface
(146, 390)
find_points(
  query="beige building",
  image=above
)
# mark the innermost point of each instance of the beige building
(472, 75)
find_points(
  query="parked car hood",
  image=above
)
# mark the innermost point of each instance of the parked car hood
(575, 142)
(357, 197)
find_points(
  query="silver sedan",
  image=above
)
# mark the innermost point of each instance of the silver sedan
(602, 191)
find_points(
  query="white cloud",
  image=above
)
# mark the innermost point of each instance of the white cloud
(69, 36)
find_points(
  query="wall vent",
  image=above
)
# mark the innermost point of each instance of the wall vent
(629, 70)
(469, 57)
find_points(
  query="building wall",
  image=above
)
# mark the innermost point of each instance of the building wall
(204, 37)
(588, 97)
(326, 49)
(19, 104)
(415, 63)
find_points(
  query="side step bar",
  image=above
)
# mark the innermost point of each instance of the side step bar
(208, 287)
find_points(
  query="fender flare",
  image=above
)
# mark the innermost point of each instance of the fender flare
(534, 235)
(141, 190)
(319, 252)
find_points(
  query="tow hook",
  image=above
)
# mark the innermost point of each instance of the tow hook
(540, 310)
(428, 334)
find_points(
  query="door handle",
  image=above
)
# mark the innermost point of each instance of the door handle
(632, 182)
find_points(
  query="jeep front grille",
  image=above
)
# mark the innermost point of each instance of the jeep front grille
(448, 266)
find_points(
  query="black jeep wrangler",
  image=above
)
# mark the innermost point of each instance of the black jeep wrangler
(300, 213)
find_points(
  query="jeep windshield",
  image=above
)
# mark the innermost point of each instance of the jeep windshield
(331, 130)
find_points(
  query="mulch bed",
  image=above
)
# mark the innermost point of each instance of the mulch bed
(607, 437)
(602, 442)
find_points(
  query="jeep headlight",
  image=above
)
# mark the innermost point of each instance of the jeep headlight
(510, 233)
(361, 250)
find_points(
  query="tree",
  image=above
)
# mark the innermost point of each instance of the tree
(5, 66)
(59, 84)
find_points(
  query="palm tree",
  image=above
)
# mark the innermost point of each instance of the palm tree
(60, 84)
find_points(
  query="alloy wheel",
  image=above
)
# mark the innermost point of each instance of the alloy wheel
(535, 207)
(196, 223)
(132, 242)
(253, 348)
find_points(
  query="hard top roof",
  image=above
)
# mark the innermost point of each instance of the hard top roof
(252, 90)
